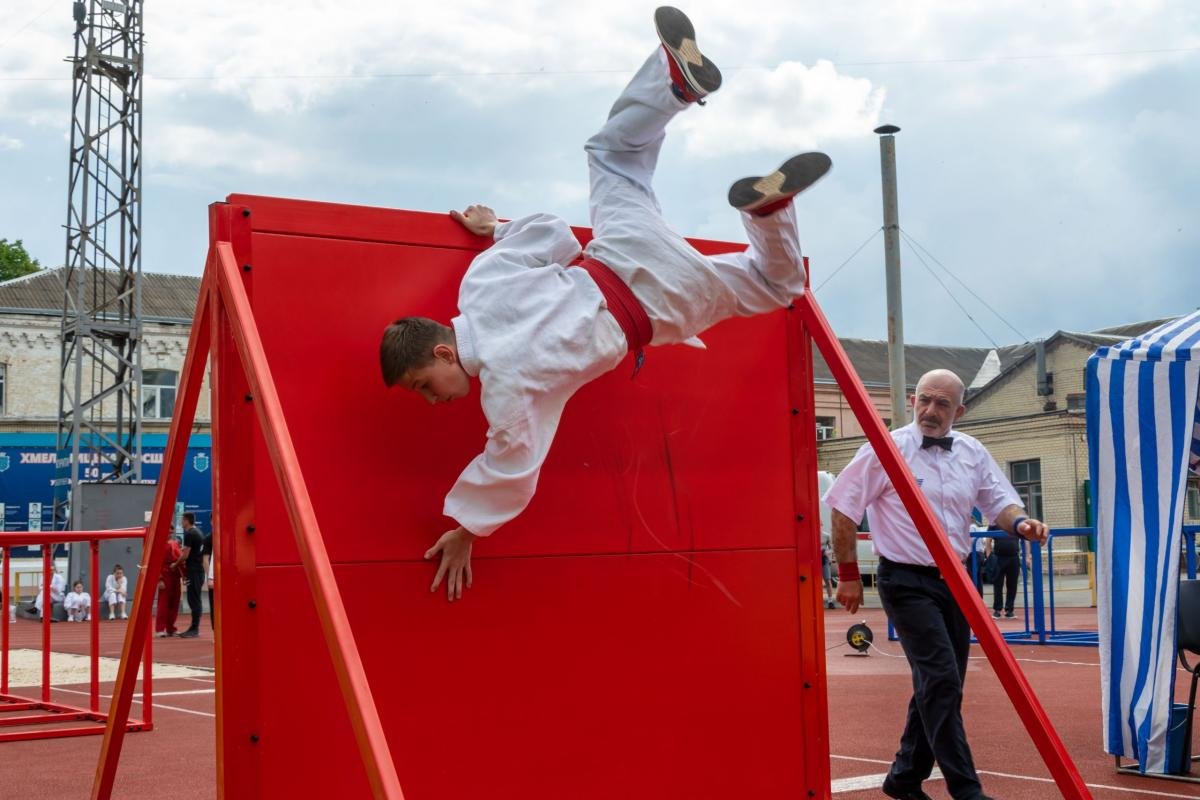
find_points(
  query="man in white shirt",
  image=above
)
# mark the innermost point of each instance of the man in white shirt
(956, 473)
(534, 329)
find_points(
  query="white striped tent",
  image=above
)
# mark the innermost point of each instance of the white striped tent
(1143, 414)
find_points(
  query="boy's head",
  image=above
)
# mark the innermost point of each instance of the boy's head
(78, 587)
(421, 355)
(189, 519)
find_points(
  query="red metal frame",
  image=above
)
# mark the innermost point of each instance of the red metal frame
(225, 327)
(11, 704)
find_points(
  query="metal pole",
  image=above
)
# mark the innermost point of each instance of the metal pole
(891, 254)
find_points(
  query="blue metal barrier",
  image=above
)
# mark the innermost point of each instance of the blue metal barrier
(1035, 631)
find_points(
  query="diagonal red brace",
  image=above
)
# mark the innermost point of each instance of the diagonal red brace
(1034, 717)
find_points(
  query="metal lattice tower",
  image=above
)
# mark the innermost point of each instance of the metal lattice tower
(100, 419)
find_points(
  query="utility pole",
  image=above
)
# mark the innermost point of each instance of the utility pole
(100, 419)
(891, 255)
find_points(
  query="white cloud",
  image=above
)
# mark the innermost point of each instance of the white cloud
(9, 143)
(184, 147)
(791, 107)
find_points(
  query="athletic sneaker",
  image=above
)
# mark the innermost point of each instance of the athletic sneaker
(769, 193)
(892, 790)
(996, 613)
(692, 75)
(189, 634)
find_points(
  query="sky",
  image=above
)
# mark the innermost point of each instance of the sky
(1047, 169)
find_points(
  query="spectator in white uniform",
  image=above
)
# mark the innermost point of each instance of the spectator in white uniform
(534, 329)
(58, 585)
(956, 473)
(78, 604)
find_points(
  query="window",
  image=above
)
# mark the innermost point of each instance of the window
(158, 393)
(3, 388)
(1077, 402)
(1027, 480)
(825, 428)
(1193, 502)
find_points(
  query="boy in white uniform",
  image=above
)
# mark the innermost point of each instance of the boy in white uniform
(78, 604)
(58, 585)
(534, 329)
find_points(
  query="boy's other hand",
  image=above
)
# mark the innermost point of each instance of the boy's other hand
(455, 547)
(478, 219)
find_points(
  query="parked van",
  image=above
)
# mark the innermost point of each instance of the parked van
(867, 560)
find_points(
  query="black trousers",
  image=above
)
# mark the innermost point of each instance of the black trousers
(1008, 569)
(195, 586)
(935, 637)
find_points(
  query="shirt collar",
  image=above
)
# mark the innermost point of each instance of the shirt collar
(465, 343)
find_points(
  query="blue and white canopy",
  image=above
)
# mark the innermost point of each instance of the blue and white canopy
(1143, 413)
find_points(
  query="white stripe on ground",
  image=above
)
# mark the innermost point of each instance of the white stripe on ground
(861, 782)
(1122, 789)
(136, 700)
(185, 691)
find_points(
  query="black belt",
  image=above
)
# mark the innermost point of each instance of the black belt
(920, 569)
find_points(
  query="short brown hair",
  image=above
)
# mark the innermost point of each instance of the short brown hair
(408, 344)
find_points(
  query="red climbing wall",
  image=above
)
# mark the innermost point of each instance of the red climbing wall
(648, 628)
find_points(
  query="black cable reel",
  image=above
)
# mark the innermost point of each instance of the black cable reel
(859, 637)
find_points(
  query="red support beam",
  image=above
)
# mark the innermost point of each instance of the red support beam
(5, 591)
(1037, 723)
(138, 630)
(343, 650)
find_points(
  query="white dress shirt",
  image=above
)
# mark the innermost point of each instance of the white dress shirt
(953, 481)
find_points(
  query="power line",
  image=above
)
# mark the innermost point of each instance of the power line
(874, 233)
(982, 302)
(23, 28)
(525, 73)
(952, 297)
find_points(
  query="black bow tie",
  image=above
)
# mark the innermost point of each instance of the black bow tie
(946, 442)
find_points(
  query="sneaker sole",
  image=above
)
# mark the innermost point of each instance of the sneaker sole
(793, 177)
(679, 37)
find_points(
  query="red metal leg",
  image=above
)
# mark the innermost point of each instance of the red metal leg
(94, 625)
(1041, 732)
(155, 545)
(6, 591)
(47, 613)
(364, 717)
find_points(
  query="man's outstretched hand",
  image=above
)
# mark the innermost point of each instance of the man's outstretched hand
(479, 220)
(455, 547)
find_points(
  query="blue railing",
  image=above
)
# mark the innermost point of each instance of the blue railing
(1035, 579)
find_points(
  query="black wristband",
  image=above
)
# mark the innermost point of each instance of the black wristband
(1017, 526)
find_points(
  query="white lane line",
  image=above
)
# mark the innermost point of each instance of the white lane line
(864, 760)
(858, 783)
(136, 700)
(199, 680)
(1122, 789)
(185, 691)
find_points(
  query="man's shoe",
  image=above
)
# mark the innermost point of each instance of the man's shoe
(692, 75)
(767, 194)
(996, 613)
(1009, 614)
(891, 790)
(189, 634)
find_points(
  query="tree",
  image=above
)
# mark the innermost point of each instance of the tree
(15, 261)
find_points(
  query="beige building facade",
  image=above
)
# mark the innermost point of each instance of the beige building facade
(1033, 421)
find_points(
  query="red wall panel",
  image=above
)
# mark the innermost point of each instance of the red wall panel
(644, 628)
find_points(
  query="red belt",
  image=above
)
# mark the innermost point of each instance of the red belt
(624, 307)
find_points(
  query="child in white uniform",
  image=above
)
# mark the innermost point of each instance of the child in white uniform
(534, 330)
(78, 604)
(115, 589)
(58, 585)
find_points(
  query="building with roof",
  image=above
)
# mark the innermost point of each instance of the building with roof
(1028, 409)
(30, 349)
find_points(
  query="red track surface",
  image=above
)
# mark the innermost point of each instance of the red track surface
(867, 697)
